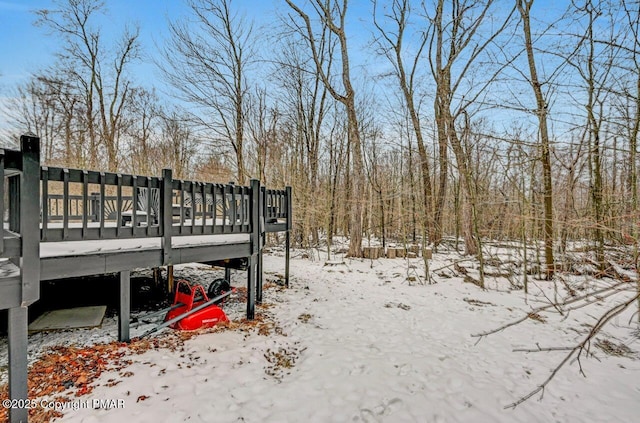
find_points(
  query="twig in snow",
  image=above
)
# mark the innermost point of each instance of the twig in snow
(553, 303)
(542, 349)
(580, 348)
(611, 288)
(453, 264)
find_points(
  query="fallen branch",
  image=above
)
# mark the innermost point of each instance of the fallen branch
(580, 348)
(541, 349)
(452, 264)
(569, 301)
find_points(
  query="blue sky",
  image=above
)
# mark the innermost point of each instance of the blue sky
(26, 47)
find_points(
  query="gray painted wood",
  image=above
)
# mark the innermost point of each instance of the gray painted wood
(289, 200)
(18, 390)
(30, 219)
(124, 312)
(166, 199)
(259, 277)
(251, 288)
(10, 291)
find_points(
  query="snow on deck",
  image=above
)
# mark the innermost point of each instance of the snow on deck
(72, 248)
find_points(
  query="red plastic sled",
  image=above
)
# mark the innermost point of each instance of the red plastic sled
(186, 299)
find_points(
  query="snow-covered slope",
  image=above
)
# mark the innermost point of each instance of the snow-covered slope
(357, 342)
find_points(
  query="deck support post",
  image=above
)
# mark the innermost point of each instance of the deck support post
(227, 274)
(252, 278)
(124, 314)
(18, 341)
(288, 235)
(261, 240)
(170, 281)
(251, 287)
(156, 278)
(287, 246)
(259, 277)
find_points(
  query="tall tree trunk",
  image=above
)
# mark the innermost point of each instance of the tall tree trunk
(524, 7)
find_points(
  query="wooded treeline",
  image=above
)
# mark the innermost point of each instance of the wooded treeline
(478, 119)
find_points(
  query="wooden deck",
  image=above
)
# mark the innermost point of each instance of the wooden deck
(61, 223)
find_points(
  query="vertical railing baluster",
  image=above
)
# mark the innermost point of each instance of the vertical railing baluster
(234, 209)
(65, 203)
(119, 222)
(85, 202)
(225, 211)
(102, 181)
(44, 202)
(134, 204)
(215, 206)
(194, 209)
(210, 189)
(149, 208)
(183, 209)
(203, 191)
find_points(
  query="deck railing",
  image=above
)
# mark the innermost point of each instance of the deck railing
(89, 205)
(19, 212)
(276, 204)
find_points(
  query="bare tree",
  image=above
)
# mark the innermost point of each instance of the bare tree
(595, 84)
(96, 73)
(524, 7)
(207, 63)
(632, 15)
(455, 46)
(391, 44)
(35, 108)
(141, 127)
(303, 102)
(262, 125)
(332, 14)
(177, 145)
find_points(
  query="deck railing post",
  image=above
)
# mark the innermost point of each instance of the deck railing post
(166, 201)
(30, 219)
(255, 248)
(255, 216)
(261, 221)
(288, 235)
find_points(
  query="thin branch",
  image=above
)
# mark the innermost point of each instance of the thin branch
(579, 349)
(573, 300)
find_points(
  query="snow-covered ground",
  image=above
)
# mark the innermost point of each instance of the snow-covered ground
(358, 342)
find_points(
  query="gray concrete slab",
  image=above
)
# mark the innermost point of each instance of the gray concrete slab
(70, 318)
